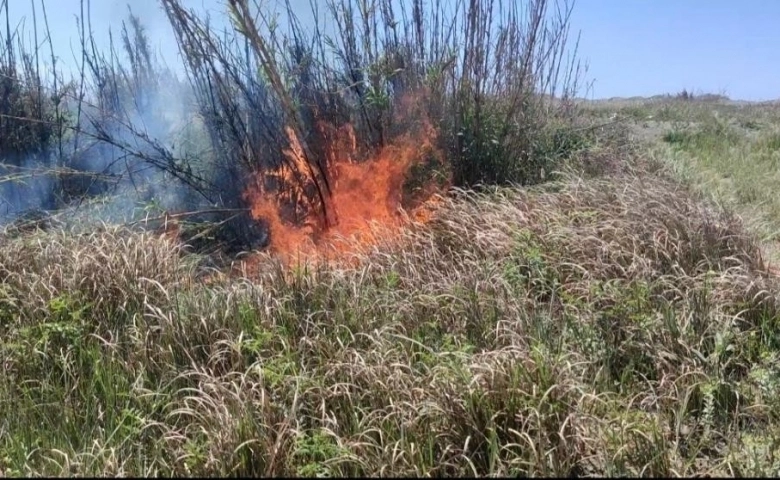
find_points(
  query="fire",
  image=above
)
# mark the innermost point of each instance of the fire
(366, 201)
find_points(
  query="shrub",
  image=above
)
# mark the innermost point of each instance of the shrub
(486, 81)
(494, 85)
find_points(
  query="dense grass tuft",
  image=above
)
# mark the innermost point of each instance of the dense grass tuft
(602, 326)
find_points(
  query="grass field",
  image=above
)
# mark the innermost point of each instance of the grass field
(729, 151)
(618, 320)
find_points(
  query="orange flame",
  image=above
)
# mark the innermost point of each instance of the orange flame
(366, 197)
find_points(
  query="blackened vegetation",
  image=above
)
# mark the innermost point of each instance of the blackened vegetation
(490, 77)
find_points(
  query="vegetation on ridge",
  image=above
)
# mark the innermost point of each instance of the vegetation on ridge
(617, 316)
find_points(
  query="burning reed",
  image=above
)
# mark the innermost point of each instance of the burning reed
(324, 141)
(313, 131)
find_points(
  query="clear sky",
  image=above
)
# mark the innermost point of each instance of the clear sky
(633, 47)
(646, 47)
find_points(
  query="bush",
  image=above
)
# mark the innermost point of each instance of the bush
(485, 85)
(30, 127)
(491, 86)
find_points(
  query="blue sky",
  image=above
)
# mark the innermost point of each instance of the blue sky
(633, 47)
(645, 47)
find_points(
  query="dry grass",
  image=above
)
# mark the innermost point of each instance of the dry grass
(727, 152)
(591, 327)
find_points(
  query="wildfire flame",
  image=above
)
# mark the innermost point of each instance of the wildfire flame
(366, 196)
